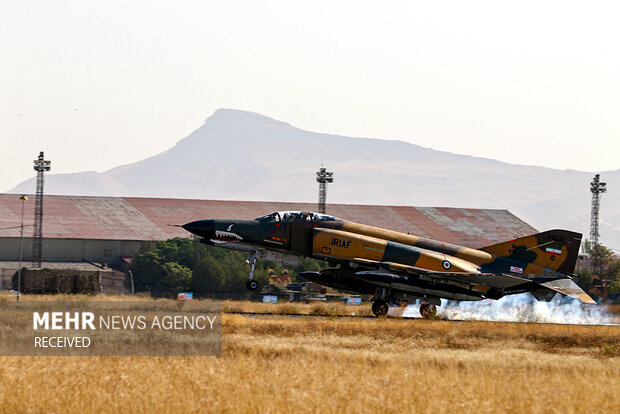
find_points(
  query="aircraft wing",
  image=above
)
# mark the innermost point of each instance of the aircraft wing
(501, 281)
(564, 286)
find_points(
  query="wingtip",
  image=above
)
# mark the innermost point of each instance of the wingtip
(585, 298)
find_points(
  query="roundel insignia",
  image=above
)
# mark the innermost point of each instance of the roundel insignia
(446, 264)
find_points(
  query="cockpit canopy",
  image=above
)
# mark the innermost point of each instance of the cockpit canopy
(285, 216)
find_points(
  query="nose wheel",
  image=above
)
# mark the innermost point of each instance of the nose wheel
(428, 311)
(252, 285)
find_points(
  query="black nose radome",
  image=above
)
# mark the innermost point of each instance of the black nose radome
(202, 228)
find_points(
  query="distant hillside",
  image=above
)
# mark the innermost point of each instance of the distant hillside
(240, 155)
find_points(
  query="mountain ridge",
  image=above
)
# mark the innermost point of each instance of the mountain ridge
(239, 155)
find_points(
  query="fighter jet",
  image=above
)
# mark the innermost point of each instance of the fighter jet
(389, 265)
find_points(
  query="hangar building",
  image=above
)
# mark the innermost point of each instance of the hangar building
(108, 230)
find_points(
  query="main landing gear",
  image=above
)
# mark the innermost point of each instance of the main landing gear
(428, 307)
(428, 310)
(252, 284)
(380, 305)
(380, 308)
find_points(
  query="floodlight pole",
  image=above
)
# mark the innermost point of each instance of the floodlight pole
(323, 177)
(596, 188)
(21, 250)
(40, 166)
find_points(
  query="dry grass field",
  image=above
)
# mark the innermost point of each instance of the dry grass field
(306, 364)
(611, 312)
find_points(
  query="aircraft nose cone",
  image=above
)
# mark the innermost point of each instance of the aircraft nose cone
(203, 228)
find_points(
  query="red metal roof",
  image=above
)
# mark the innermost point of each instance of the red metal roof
(131, 218)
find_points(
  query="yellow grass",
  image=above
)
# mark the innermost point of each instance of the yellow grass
(297, 308)
(303, 364)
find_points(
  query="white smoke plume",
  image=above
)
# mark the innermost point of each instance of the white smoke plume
(521, 308)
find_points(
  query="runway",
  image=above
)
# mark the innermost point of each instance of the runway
(393, 315)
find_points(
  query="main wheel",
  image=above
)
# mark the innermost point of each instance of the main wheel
(428, 311)
(252, 284)
(380, 308)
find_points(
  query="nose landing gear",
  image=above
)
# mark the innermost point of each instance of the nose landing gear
(252, 284)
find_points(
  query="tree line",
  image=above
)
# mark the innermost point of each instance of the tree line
(186, 265)
(603, 269)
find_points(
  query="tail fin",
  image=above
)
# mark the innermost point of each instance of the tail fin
(554, 249)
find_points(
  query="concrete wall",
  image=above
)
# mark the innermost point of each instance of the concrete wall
(99, 251)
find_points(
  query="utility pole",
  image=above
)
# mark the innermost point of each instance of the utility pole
(21, 249)
(133, 291)
(323, 177)
(596, 188)
(40, 166)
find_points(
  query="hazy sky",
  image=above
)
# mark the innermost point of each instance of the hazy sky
(96, 84)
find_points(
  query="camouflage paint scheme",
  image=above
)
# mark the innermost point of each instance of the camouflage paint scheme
(383, 262)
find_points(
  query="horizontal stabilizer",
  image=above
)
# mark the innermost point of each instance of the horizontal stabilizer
(569, 288)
